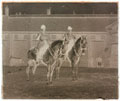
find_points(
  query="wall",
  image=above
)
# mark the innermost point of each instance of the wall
(113, 33)
(6, 49)
(96, 47)
(93, 24)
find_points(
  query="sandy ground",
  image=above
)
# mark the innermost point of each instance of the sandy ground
(93, 83)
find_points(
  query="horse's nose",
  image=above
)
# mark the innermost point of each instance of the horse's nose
(83, 52)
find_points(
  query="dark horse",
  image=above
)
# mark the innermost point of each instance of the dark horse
(75, 55)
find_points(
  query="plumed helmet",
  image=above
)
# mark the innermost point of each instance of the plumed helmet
(43, 27)
(69, 28)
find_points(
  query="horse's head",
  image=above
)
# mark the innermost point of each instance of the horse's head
(83, 44)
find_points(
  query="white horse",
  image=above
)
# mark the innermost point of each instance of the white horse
(75, 54)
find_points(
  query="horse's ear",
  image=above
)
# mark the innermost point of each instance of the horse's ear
(80, 37)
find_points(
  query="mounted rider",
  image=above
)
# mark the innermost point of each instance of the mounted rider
(40, 37)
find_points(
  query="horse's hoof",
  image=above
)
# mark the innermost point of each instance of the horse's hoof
(49, 83)
(27, 80)
(73, 79)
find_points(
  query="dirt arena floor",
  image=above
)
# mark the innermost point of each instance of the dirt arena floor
(93, 83)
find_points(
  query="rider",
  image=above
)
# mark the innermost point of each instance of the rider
(40, 37)
(70, 39)
(69, 34)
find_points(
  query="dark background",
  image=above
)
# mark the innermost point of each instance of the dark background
(62, 8)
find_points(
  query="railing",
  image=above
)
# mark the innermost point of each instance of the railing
(65, 15)
(52, 32)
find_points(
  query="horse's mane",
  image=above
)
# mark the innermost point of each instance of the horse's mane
(77, 43)
(57, 42)
(78, 40)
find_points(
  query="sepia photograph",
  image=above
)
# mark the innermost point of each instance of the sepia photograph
(60, 50)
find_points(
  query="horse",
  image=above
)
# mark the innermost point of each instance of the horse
(48, 55)
(75, 54)
(65, 50)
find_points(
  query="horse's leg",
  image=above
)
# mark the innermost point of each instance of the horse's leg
(34, 67)
(58, 68)
(57, 73)
(73, 71)
(28, 72)
(52, 67)
(76, 72)
(76, 69)
(48, 74)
